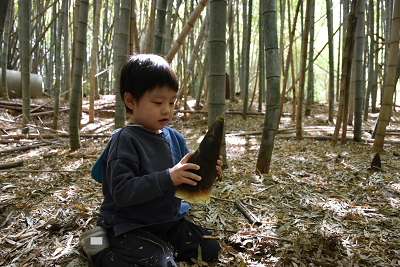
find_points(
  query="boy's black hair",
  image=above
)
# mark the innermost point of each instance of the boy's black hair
(144, 72)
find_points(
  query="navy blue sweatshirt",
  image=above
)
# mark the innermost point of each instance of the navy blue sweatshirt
(137, 186)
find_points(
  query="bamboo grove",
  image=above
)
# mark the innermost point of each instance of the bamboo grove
(339, 52)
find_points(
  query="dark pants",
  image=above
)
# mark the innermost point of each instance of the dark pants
(147, 247)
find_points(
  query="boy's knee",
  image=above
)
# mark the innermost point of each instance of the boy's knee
(210, 250)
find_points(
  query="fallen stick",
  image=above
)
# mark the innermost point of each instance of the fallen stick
(47, 112)
(9, 141)
(227, 112)
(11, 107)
(33, 171)
(237, 231)
(9, 165)
(328, 138)
(32, 136)
(289, 130)
(221, 230)
(51, 136)
(21, 148)
(44, 104)
(247, 213)
(34, 126)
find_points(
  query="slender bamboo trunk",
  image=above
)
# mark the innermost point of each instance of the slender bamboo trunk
(348, 89)
(261, 62)
(243, 54)
(351, 92)
(232, 80)
(115, 44)
(273, 86)
(24, 41)
(310, 84)
(293, 118)
(300, 98)
(3, 14)
(239, 53)
(366, 59)
(75, 36)
(67, 61)
(345, 74)
(371, 65)
(246, 57)
(159, 27)
(340, 46)
(217, 77)
(150, 27)
(131, 29)
(134, 30)
(389, 8)
(4, 57)
(331, 62)
(203, 73)
(289, 58)
(282, 35)
(76, 91)
(374, 92)
(184, 67)
(387, 100)
(57, 85)
(120, 111)
(168, 28)
(358, 83)
(93, 58)
(51, 61)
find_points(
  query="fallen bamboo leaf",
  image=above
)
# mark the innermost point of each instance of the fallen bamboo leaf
(352, 217)
(28, 217)
(80, 207)
(5, 221)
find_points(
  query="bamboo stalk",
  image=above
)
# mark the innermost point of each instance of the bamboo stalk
(185, 31)
(387, 100)
(51, 136)
(247, 213)
(21, 148)
(48, 112)
(9, 165)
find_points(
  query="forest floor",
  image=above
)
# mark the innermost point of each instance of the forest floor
(320, 205)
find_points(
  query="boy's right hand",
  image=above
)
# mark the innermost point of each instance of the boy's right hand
(179, 175)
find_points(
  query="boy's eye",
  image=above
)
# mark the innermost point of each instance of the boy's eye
(157, 103)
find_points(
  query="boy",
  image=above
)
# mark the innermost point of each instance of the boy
(141, 167)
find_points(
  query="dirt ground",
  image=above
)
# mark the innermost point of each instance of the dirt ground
(320, 205)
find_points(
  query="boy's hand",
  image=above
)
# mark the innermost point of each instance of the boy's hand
(179, 175)
(219, 165)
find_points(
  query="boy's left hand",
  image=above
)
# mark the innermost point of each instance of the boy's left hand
(219, 165)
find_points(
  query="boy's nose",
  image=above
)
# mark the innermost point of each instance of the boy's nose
(165, 109)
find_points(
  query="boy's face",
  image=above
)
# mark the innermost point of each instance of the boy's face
(154, 110)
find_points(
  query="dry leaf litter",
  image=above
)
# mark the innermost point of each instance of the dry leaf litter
(320, 205)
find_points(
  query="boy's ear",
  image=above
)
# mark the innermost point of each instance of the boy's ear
(129, 101)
